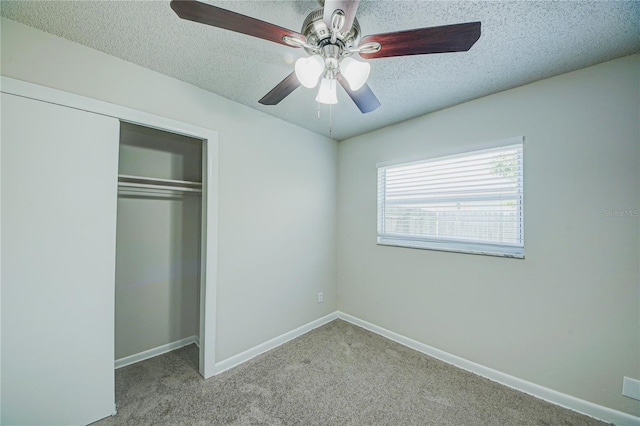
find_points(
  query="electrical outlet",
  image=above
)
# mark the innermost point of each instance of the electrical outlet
(631, 388)
(320, 297)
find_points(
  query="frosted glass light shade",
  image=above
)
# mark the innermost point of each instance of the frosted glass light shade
(309, 70)
(355, 72)
(327, 93)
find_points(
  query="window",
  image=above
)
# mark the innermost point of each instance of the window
(470, 203)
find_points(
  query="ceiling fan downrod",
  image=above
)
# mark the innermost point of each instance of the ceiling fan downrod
(337, 22)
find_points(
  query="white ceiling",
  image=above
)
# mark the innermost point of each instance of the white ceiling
(521, 42)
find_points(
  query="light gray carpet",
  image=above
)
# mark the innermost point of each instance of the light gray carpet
(338, 374)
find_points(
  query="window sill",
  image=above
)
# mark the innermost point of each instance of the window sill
(463, 248)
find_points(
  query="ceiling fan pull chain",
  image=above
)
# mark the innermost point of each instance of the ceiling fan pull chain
(330, 122)
(330, 119)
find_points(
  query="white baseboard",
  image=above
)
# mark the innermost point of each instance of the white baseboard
(271, 344)
(588, 408)
(132, 359)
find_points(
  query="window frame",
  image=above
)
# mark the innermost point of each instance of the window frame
(452, 245)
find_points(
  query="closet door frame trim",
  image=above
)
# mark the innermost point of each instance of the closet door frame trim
(209, 255)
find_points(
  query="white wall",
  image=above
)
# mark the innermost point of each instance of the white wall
(567, 317)
(277, 215)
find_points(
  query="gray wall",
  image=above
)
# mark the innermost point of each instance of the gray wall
(277, 193)
(567, 317)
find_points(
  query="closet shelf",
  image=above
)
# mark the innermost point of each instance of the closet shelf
(149, 183)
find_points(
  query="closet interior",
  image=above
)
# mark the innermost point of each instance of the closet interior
(158, 242)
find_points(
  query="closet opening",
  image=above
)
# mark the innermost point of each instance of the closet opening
(160, 275)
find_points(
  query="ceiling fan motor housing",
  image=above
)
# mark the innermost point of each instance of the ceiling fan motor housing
(319, 35)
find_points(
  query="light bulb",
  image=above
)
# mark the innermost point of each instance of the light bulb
(355, 72)
(327, 93)
(309, 70)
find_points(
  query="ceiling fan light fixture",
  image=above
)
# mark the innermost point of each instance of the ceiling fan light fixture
(355, 72)
(329, 34)
(309, 70)
(327, 93)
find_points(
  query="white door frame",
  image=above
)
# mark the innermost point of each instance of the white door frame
(209, 254)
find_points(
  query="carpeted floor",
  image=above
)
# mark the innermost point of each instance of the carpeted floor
(338, 374)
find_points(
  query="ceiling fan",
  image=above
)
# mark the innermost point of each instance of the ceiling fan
(331, 35)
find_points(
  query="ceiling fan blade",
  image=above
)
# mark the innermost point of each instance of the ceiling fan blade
(349, 8)
(281, 91)
(204, 13)
(364, 98)
(447, 38)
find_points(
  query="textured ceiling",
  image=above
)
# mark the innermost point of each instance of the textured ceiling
(521, 42)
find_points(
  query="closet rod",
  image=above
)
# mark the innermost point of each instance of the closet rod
(157, 187)
(143, 179)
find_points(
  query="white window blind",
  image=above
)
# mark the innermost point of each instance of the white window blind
(471, 203)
